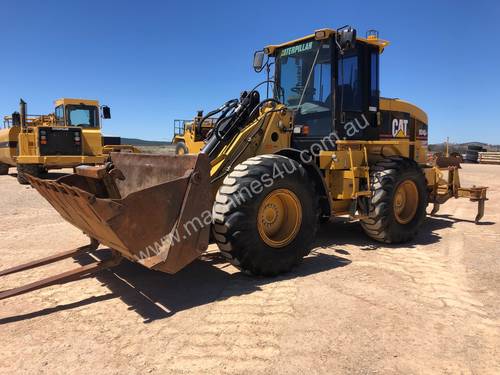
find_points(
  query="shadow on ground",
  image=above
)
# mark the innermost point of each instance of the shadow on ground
(338, 233)
(156, 295)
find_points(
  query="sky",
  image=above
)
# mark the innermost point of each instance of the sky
(156, 61)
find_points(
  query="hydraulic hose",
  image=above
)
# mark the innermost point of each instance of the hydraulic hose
(235, 114)
(229, 104)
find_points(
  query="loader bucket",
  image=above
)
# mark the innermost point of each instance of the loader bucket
(153, 209)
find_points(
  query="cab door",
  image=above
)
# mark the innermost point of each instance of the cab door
(313, 120)
(357, 93)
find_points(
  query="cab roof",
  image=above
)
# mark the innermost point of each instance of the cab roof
(66, 101)
(322, 34)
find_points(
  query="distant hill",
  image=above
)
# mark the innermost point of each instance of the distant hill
(461, 147)
(141, 142)
(458, 147)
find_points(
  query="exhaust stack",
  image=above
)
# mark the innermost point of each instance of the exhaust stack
(23, 112)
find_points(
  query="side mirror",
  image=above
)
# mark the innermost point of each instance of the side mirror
(258, 61)
(16, 119)
(106, 112)
(346, 37)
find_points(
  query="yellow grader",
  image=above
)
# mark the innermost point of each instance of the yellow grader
(324, 145)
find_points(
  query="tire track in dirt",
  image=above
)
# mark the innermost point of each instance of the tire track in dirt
(440, 283)
(438, 280)
(240, 333)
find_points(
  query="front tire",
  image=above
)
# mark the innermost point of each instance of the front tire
(181, 149)
(398, 205)
(31, 169)
(266, 215)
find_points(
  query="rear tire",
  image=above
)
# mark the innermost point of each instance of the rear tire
(265, 221)
(31, 169)
(4, 169)
(181, 149)
(398, 205)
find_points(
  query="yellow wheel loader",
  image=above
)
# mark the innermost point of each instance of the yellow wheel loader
(324, 145)
(189, 136)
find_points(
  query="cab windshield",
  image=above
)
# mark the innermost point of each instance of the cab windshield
(303, 76)
(82, 115)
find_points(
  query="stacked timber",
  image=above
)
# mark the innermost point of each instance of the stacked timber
(489, 157)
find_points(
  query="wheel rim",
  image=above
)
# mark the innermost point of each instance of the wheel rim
(405, 202)
(180, 151)
(279, 218)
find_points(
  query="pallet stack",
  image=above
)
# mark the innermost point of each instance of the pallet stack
(489, 157)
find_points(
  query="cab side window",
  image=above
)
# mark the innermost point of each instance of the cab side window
(374, 79)
(59, 112)
(349, 84)
(316, 100)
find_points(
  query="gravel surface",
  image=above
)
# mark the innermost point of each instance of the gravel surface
(353, 306)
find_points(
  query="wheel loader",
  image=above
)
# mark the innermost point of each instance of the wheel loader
(190, 136)
(324, 145)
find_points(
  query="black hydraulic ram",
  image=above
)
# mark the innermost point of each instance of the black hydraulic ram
(234, 115)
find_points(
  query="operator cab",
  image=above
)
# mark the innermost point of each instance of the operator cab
(79, 112)
(331, 80)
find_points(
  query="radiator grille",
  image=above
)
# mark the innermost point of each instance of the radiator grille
(60, 141)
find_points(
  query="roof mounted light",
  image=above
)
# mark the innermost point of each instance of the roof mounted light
(372, 37)
(372, 34)
(322, 34)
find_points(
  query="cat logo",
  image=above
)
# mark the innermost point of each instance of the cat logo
(399, 128)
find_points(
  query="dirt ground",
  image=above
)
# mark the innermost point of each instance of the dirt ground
(353, 306)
